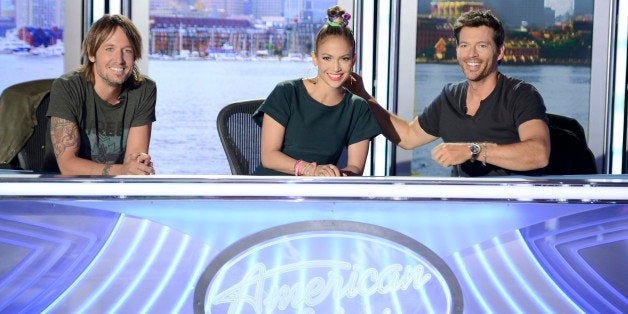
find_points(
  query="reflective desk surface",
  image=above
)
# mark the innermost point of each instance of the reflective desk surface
(241, 244)
(586, 189)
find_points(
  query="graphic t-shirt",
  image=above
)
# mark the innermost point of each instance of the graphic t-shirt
(104, 128)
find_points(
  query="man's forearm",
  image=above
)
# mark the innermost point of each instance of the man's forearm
(522, 156)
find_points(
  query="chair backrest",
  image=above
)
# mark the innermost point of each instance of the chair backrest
(240, 136)
(28, 129)
(570, 153)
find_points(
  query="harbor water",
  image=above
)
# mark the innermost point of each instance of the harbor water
(191, 93)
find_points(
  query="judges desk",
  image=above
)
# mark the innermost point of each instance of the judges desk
(226, 244)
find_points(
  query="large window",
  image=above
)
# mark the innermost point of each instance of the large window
(204, 57)
(548, 46)
(206, 54)
(31, 40)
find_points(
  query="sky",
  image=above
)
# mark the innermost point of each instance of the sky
(560, 6)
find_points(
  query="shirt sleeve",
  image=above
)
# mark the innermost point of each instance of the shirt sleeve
(430, 117)
(529, 104)
(366, 126)
(145, 113)
(66, 97)
(276, 105)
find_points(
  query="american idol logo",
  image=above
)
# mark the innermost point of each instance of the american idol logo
(328, 267)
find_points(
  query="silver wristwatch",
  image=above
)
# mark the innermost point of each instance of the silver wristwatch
(475, 151)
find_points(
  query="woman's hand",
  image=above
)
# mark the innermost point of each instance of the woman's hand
(328, 170)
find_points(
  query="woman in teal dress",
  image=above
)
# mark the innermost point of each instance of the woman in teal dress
(306, 123)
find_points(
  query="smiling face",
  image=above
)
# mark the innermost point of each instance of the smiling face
(477, 53)
(113, 61)
(334, 58)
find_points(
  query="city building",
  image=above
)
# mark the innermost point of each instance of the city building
(39, 13)
(451, 10)
(583, 8)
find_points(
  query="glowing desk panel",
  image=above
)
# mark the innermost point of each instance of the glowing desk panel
(222, 244)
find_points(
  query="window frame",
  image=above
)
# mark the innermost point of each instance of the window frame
(605, 74)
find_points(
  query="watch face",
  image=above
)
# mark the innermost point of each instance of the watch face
(474, 148)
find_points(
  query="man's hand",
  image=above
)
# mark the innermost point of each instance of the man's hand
(356, 86)
(449, 154)
(138, 164)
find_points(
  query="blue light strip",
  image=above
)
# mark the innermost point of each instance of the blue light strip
(35, 251)
(134, 244)
(174, 264)
(573, 257)
(517, 274)
(87, 269)
(198, 270)
(29, 260)
(470, 284)
(496, 282)
(46, 256)
(539, 259)
(156, 248)
(565, 239)
(599, 280)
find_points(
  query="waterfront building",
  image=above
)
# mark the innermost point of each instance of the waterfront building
(429, 32)
(522, 14)
(171, 36)
(583, 8)
(39, 13)
(451, 10)
(521, 51)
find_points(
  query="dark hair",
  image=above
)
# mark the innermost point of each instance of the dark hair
(99, 32)
(335, 25)
(478, 18)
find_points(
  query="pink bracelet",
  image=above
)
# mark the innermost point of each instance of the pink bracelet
(297, 167)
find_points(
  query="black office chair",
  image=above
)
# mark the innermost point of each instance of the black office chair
(570, 153)
(25, 133)
(240, 136)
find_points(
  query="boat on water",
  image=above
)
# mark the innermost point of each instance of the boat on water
(22, 51)
(12, 44)
(57, 49)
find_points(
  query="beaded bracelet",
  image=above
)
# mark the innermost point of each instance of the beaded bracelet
(297, 167)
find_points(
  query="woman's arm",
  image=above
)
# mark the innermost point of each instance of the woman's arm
(356, 158)
(272, 140)
(272, 157)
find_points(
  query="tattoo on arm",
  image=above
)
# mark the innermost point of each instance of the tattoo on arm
(105, 170)
(64, 134)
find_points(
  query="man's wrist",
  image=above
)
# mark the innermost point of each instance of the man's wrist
(106, 169)
(474, 149)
